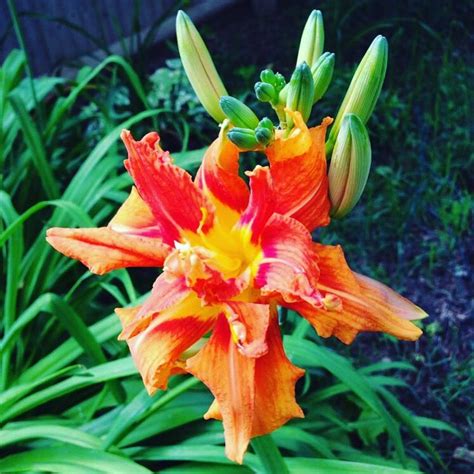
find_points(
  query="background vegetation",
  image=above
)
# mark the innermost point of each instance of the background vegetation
(71, 400)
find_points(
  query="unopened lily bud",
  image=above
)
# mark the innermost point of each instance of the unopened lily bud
(266, 123)
(350, 166)
(312, 39)
(300, 92)
(265, 92)
(243, 138)
(265, 132)
(267, 75)
(199, 67)
(279, 82)
(322, 74)
(238, 113)
(263, 136)
(364, 88)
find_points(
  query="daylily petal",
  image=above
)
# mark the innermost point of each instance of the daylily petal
(288, 268)
(135, 218)
(156, 349)
(230, 377)
(298, 167)
(166, 292)
(102, 249)
(382, 295)
(248, 325)
(273, 394)
(167, 189)
(275, 379)
(219, 177)
(261, 204)
(364, 307)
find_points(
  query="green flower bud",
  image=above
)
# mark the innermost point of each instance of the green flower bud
(312, 39)
(322, 74)
(266, 123)
(199, 67)
(265, 92)
(279, 81)
(238, 113)
(300, 93)
(350, 166)
(244, 138)
(263, 135)
(267, 75)
(364, 89)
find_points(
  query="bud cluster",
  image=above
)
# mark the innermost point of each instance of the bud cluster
(348, 145)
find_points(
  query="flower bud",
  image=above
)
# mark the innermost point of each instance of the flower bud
(350, 166)
(266, 123)
(267, 75)
(265, 132)
(312, 39)
(243, 138)
(322, 74)
(199, 67)
(265, 92)
(300, 93)
(263, 135)
(365, 87)
(238, 113)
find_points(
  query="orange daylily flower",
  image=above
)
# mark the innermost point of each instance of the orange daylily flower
(230, 253)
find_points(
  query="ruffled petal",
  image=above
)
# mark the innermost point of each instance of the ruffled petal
(298, 167)
(168, 190)
(230, 377)
(360, 304)
(248, 325)
(261, 204)
(274, 390)
(275, 379)
(157, 348)
(102, 249)
(166, 292)
(219, 177)
(134, 217)
(288, 268)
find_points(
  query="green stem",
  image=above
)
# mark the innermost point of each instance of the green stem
(21, 41)
(269, 455)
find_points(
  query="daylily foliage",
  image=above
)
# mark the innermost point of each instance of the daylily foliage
(231, 253)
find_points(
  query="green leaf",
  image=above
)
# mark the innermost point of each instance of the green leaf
(269, 455)
(35, 145)
(64, 459)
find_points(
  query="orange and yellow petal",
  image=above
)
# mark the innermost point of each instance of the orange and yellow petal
(275, 379)
(248, 324)
(230, 377)
(261, 203)
(253, 396)
(288, 268)
(298, 167)
(156, 350)
(102, 249)
(219, 177)
(166, 293)
(134, 217)
(168, 190)
(365, 305)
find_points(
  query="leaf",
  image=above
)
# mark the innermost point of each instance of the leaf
(49, 431)
(64, 459)
(306, 353)
(38, 153)
(330, 466)
(269, 455)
